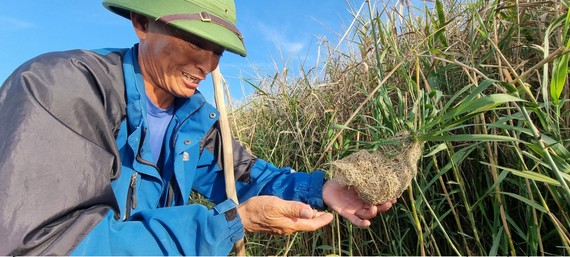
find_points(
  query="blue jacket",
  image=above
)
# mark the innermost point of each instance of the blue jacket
(149, 213)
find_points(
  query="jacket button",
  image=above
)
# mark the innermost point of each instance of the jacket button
(187, 142)
(185, 156)
(212, 115)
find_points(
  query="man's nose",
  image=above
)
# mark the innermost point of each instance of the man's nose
(207, 62)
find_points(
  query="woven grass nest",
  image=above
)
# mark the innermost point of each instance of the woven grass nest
(380, 176)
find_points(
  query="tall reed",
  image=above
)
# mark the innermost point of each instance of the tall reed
(483, 83)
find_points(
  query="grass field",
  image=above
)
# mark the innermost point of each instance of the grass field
(483, 83)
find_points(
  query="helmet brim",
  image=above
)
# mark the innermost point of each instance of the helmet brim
(208, 30)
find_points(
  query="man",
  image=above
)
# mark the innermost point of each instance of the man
(102, 150)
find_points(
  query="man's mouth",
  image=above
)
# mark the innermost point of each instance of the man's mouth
(190, 78)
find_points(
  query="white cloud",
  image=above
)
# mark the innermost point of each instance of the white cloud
(279, 37)
(11, 24)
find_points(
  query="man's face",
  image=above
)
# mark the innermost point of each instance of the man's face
(172, 61)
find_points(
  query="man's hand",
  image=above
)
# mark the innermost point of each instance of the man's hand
(271, 214)
(346, 202)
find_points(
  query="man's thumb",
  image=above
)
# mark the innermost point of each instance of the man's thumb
(306, 213)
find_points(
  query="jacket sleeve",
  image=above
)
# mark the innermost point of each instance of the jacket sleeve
(158, 232)
(57, 150)
(254, 176)
(266, 179)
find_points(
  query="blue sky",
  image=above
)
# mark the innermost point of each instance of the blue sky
(272, 30)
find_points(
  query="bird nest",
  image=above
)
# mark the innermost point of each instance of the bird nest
(380, 176)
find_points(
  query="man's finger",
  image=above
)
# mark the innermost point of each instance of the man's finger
(314, 223)
(309, 213)
(367, 213)
(306, 213)
(317, 213)
(384, 207)
(296, 209)
(355, 219)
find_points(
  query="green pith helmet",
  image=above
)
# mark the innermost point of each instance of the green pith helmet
(213, 20)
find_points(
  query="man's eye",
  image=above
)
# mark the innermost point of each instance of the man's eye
(194, 45)
(219, 53)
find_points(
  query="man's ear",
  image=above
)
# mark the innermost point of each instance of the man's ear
(140, 23)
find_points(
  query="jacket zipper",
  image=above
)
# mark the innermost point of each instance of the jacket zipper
(134, 191)
(131, 196)
(170, 195)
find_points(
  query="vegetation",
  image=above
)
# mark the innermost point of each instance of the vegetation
(483, 83)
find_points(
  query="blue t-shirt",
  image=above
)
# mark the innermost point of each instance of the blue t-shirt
(158, 120)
